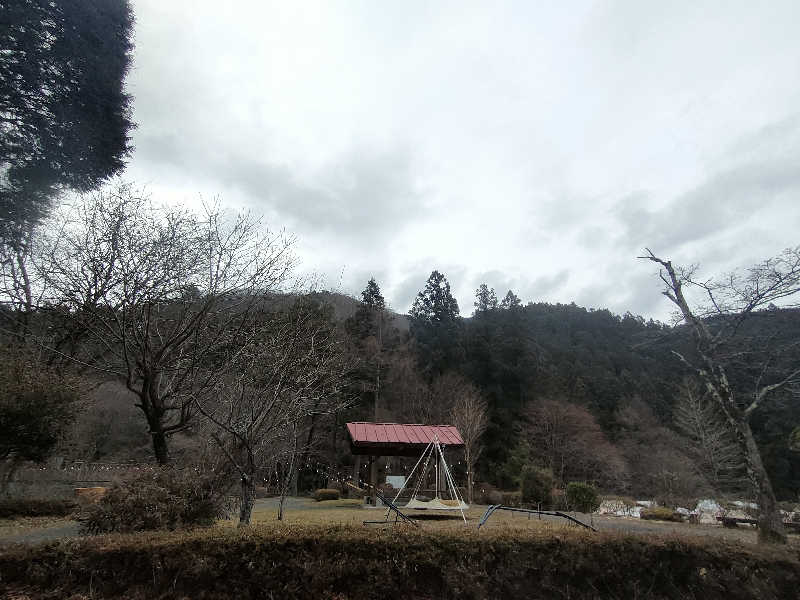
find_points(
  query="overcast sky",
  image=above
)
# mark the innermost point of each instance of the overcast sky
(525, 145)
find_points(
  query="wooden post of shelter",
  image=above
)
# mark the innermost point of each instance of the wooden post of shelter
(373, 478)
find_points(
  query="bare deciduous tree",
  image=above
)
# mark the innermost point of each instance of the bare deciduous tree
(566, 438)
(294, 371)
(19, 292)
(469, 413)
(658, 463)
(161, 297)
(730, 301)
(698, 417)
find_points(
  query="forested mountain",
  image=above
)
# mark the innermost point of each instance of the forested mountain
(617, 374)
(592, 395)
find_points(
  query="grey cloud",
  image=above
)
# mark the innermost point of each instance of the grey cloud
(380, 147)
(543, 286)
(625, 288)
(528, 290)
(405, 291)
(725, 201)
(366, 194)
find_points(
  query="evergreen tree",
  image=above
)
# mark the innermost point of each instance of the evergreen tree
(435, 304)
(436, 327)
(511, 301)
(485, 299)
(65, 114)
(370, 318)
(372, 332)
(371, 296)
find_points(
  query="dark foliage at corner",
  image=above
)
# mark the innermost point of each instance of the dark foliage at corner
(65, 112)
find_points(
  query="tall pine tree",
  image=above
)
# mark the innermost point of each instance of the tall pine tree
(485, 299)
(372, 333)
(436, 327)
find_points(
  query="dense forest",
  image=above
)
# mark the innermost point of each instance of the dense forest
(600, 393)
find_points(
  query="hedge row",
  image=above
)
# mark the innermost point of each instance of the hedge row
(32, 507)
(354, 563)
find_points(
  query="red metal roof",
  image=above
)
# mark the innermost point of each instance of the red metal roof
(386, 435)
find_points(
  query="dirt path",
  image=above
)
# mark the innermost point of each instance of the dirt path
(48, 533)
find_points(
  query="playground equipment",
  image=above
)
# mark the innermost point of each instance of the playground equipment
(443, 478)
(553, 513)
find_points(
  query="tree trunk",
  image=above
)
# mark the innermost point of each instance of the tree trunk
(9, 467)
(770, 524)
(356, 472)
(248, 496)
(289, 475)
(160, 445)
(373, 478)
(468, 461)
(154, 418)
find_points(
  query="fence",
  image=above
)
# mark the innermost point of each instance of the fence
(58, 479)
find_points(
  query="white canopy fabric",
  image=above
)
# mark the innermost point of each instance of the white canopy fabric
(437, 504)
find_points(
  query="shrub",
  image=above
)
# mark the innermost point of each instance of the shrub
(161, 499)
(481, 492)
(263, 492)
(35, 507)
(326, 494)
(582, 497)
(513, 499)
(661, 513)
(494, 497)
(341, 561)
(37, 405)
(537, 486)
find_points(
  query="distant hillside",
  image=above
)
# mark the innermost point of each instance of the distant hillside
(345, 306)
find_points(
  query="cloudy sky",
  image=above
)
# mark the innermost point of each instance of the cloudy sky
(526, 145)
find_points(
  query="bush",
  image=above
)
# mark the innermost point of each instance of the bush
(513, 499)
(660, 513)
(326, 494)
(37, 405)
(351, 562)
(160, 499)
(481, 493)
(35, 507)
(494, 497)
(263, 492)
(582, 497)
(537, 486)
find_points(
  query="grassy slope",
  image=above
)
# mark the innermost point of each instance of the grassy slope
(344, 561)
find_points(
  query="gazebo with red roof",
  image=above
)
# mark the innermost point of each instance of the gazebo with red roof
(396, 439)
